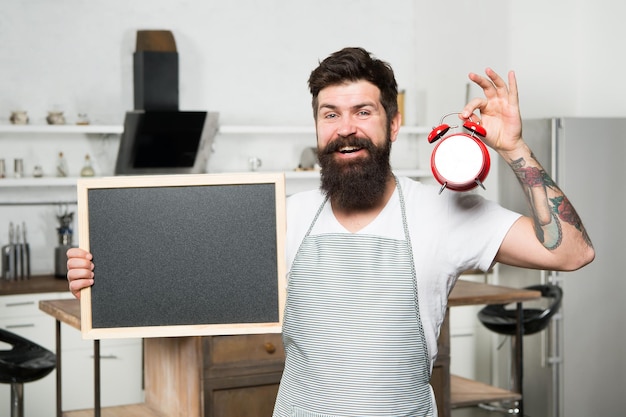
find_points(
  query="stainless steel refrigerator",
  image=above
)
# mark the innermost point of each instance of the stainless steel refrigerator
(577, 367)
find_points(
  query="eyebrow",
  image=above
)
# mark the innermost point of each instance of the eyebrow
(355, 107)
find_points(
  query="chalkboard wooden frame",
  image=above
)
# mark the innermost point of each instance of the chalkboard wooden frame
(147, 252)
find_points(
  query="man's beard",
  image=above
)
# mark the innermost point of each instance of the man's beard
(358, 183)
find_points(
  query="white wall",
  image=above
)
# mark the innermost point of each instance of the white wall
(568, 57)
(250, 60)
(246, 59)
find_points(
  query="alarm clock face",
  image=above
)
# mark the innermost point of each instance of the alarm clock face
(460, 162)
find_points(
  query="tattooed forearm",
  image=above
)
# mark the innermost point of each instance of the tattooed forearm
(549, 205)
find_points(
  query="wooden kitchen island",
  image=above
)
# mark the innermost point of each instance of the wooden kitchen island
(226, 376)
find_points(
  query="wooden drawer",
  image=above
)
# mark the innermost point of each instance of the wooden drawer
(220, 350)
(241, 397)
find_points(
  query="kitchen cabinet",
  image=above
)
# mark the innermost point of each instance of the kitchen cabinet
(120, 374)
(20, 314)
(236, 375)
(242, 374)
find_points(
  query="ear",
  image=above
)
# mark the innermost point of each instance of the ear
(394, 127)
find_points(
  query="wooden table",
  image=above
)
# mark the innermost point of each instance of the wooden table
(450, 391)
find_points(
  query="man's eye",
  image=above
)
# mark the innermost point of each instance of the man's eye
(330, 116)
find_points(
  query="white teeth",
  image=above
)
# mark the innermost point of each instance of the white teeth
(348, 149)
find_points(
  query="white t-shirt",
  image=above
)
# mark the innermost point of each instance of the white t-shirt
(450, 233)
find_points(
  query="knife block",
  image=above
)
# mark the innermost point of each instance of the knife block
(15, 261)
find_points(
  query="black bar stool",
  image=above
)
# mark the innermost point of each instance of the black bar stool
(24, 362)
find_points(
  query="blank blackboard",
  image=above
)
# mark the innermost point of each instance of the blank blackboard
(183, 255)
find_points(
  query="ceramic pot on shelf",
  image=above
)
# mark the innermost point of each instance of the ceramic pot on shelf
(19, 117)
(55, 118)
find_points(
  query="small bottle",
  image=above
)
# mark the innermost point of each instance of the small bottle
(87, 170)
(19, 167)
(62, 170)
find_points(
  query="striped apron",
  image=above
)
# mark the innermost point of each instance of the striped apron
(352, 329)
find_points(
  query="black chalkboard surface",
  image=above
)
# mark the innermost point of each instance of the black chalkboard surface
(183, 255)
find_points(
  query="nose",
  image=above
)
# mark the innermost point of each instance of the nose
(346, 127)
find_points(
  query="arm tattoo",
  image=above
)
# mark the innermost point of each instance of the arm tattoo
(548, 204)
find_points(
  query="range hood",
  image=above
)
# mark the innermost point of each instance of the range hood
(158, 138)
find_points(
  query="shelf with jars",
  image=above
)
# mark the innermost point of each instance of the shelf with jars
(68, 183)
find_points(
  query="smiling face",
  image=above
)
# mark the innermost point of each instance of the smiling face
(354, 142)
(352, 109)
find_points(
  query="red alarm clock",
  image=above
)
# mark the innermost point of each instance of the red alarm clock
(460, 161)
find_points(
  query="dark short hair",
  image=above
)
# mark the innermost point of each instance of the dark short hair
(351, 65)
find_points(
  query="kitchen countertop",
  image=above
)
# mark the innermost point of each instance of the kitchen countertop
(34, 285)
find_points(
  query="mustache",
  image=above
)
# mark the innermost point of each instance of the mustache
(336, 144)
